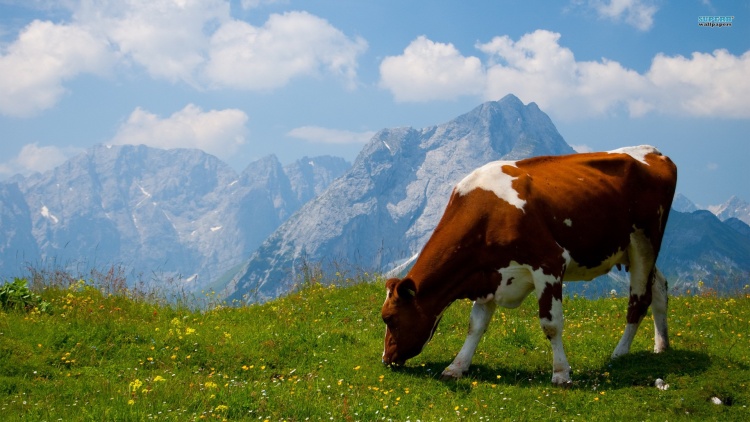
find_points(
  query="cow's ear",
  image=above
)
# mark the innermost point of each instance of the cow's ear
(391, 283)
(406, 289)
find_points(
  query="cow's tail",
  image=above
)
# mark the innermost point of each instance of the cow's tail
(400, 270)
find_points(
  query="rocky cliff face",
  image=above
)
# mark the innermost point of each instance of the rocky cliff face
(386, 206)
(159, 213)
(17, 245)
(733, 208)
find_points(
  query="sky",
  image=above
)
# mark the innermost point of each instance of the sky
(245, 79)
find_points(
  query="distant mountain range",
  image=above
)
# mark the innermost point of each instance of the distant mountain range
(176, 213)
(252, 236)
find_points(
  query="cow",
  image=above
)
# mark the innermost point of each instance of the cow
(511, 227)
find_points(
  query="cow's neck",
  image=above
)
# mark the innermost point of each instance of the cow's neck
(437, 288)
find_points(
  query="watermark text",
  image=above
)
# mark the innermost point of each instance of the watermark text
(715, 21)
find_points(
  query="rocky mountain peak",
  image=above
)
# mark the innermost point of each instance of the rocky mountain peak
(386, 206)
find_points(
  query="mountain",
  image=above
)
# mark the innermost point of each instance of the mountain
(385, 207)
(309, 177)
(176, 213)
(185, 215)
(734, 207)
(739, 226)
(682, 204)
(698, 246)
(17, 245)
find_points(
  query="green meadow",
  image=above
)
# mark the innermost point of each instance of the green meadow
(80, 352)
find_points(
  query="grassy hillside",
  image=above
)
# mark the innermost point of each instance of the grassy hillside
(316, 355)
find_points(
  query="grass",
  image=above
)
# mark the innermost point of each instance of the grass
(315, 355)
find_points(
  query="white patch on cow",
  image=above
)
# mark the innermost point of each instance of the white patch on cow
(481, 314)
(641, 257)
(641, 261)
(491, 177)
(516, 285)
(387, 296)
(577, 272)
(623, 346)
(639, 153)
(483, 300)
(568, 222)
(537, 279)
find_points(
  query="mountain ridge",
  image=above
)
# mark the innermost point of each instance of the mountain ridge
(385, 207)
(179, 213)
(255, 234)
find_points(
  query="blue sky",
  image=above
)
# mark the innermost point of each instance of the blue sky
(245, 79)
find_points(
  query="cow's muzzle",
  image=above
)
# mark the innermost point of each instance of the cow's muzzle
(393, 363)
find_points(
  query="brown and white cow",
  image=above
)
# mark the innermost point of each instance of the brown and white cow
(511, 227)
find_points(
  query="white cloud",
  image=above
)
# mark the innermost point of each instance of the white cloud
(537, 68)
(167, 37)
(32, 158)
(286, 46)
(705, 84)
(428, 70)
(637, 13)
(193, 42)
(34, 67)
(323, 135)
(218, 132)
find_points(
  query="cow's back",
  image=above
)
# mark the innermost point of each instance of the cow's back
(591, 203)
(588, 204)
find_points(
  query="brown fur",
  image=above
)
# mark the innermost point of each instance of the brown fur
(587, 204)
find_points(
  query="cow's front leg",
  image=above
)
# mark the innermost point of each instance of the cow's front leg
(481, 314)
(551, 319)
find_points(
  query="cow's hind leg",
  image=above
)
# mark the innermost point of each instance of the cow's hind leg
(642, 274)
(659, 310)
(549, 295)
(481, 314)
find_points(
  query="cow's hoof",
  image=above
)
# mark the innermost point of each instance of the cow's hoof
(451, 374)
(566, 384)
(560, 380)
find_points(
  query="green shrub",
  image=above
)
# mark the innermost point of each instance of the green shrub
(17, 296)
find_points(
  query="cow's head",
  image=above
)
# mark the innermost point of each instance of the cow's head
(408, 326)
